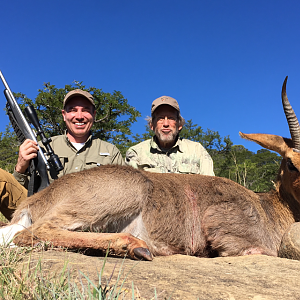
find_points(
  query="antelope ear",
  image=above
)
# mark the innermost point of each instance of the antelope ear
(269, 141)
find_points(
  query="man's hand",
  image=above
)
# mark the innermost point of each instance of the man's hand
(27, 151)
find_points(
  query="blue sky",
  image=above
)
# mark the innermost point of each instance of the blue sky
(224, 61)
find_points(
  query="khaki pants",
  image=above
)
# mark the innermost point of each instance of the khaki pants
(12, 193)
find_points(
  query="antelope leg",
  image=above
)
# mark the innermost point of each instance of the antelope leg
(120, 244)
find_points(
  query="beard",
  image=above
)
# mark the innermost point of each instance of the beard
(166, 138)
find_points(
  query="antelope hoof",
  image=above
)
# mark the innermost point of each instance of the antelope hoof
(142, 253)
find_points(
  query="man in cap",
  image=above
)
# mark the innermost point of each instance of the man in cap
(166, 152)
(77, 150)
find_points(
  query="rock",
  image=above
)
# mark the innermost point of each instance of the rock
(290, 244)
(255, 277)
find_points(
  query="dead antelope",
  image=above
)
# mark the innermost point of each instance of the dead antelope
(141, 214)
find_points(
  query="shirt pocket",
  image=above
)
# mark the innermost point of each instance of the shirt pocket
(97, 160)
(188, 169)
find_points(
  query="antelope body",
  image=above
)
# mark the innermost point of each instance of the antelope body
(141, 214)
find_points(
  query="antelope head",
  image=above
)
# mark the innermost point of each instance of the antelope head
(289, 149)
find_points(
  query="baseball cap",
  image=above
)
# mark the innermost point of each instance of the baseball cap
(164, 100)
(78, 92)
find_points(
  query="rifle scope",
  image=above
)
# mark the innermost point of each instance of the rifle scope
(53, 159)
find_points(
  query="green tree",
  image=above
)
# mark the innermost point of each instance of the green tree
(9, 147)
(267, 165)
(256, 171)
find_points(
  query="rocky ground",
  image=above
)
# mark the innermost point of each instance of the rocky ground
(255, 277)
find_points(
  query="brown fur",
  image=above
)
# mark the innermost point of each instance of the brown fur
(170, 213)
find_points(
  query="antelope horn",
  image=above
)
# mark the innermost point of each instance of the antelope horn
(291, 117)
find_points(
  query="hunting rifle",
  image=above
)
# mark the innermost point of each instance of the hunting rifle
(40, 165)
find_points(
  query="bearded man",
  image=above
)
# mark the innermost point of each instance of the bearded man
(166, 152)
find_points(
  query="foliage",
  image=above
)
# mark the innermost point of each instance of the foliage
(254, 171)
(9, 147)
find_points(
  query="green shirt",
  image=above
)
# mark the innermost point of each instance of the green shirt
(95, 152)
(186, 157)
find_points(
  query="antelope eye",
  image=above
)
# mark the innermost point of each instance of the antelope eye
(291, 166)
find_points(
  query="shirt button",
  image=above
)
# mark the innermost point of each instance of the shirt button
(76, 168)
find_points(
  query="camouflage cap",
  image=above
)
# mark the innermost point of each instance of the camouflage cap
(164, 100)
(78, 92)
